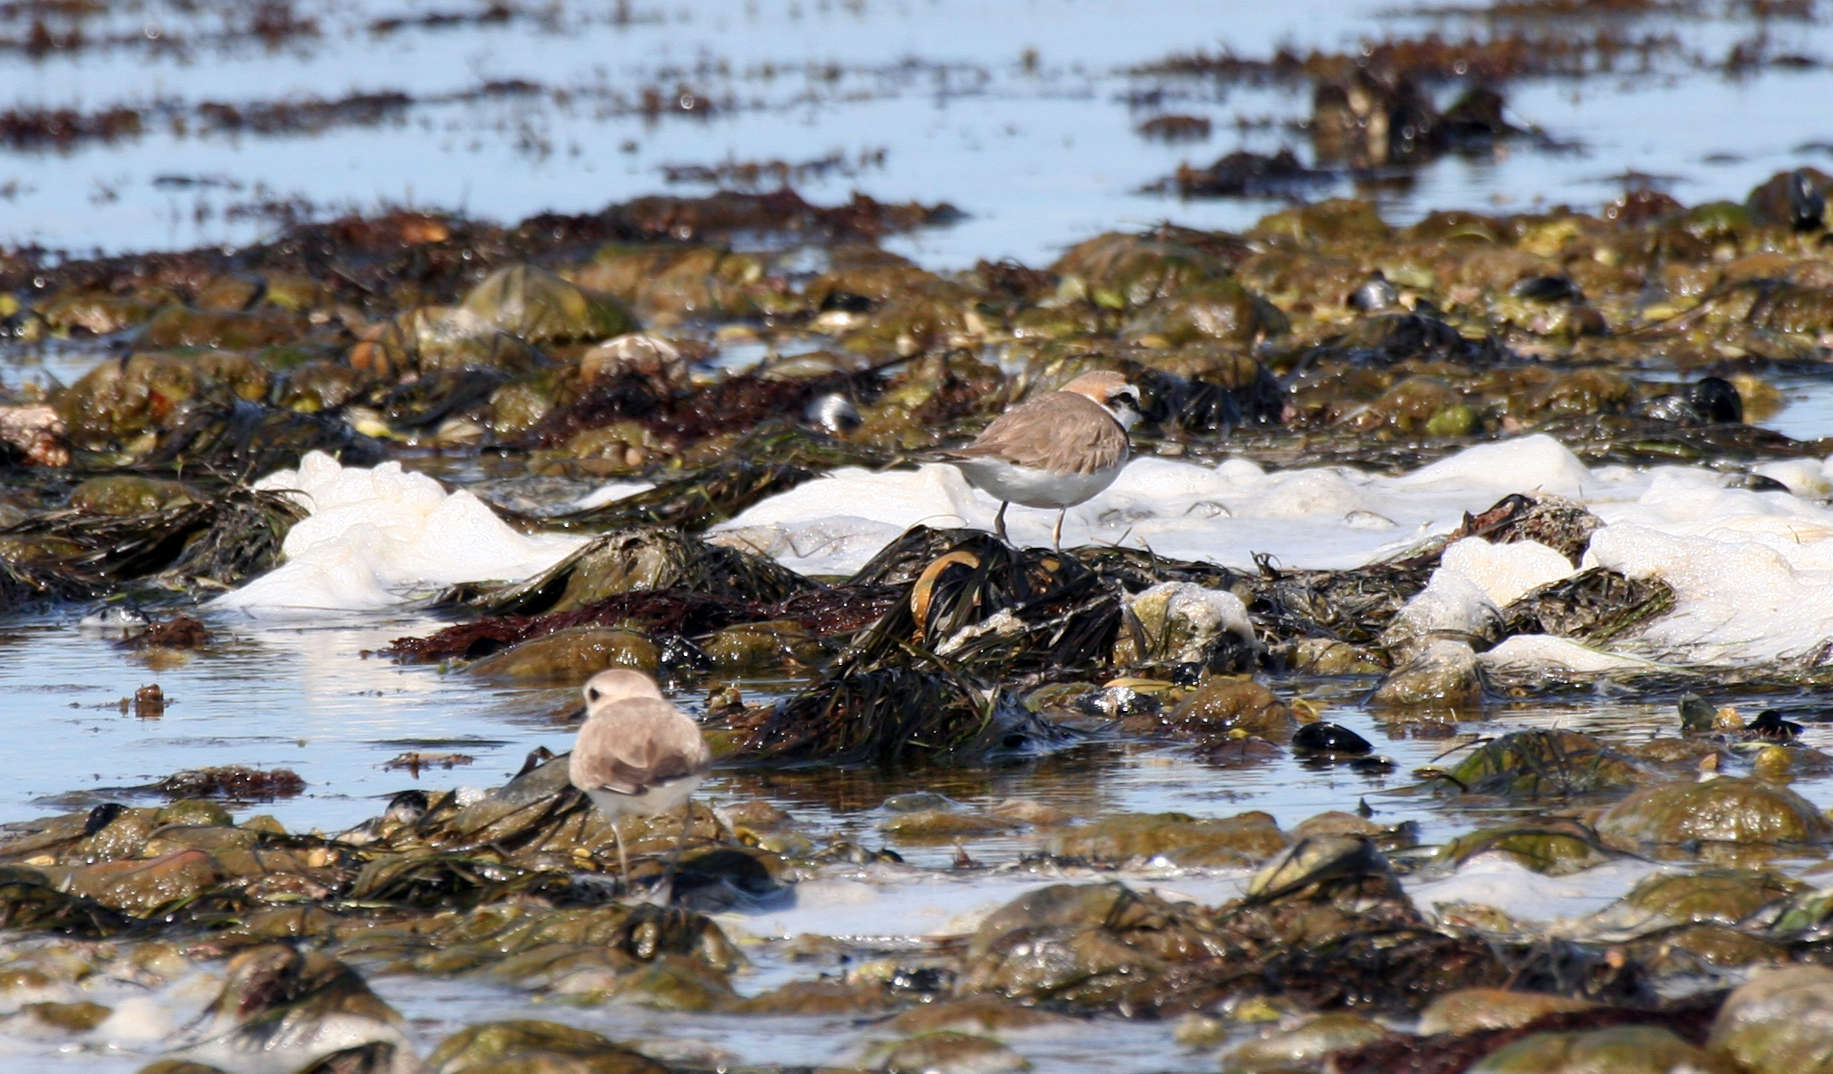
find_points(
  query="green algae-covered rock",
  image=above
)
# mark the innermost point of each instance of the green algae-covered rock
(1779, 1022)
(1618, 1050)
(1245, 839)
(529, 1046)
(1727, 809)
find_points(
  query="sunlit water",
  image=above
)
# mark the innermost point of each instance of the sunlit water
(1018, 115)
(1021, 115)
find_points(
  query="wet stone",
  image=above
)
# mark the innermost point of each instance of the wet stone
(1471, 1010)
(1618, 1050)
(942, 825)
(1779, 1022)
(1744, 812)
(1222, 706)
(572, 655)
(951, 1052)
(1554, 848)
(989, 1014)
(1538, 763)
(1442, 679)
(1727, 896)
(1303, 1047)
(140, 887)
(1246, 839)
(530, 1045)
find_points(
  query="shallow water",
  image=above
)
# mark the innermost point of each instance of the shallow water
(1038, 155)
(1021, 115)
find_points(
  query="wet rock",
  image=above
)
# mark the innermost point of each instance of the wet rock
(825, 997)
(658, 362)
(1544, 763)
(110, 832)
(116, 401)
(530, 1045)
(128, 494)
(950, 1052)
(1181, 623)
(140, 887)
(239, 782)
(1555, 848)
(196, 811)
(1073, 945)
(174, 327)
(1320, 862)
(1303, 1047)
(292, 1008)
(95, 312)
(649, 558)
(1618, 1050)
(1245, 839)
(1727, 896)
(1443, 678)
(55, 1019)
(987, 1014)
(670, 284)
(782, 646)
(1743, 812)
(942, 825)
(675, 983)
(1686, 950)
(572, 655)
(1120, 272)
(1779, 1022)
(1332, 220)
(1219, 310)
(1328, 656)
(1219, 707)
(1473, 1009)
(540, 307)
(35, 434)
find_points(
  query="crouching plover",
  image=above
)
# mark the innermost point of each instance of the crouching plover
(1053, 450)
(637, 753)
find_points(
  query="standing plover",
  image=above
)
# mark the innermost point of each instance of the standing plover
(637, 753)
(1053, 450)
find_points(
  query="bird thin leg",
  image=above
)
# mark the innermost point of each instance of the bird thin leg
(1056, 535)
(999, 522)
(623, 863)
(666, 888)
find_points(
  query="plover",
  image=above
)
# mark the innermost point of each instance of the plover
(1053, 450)
(637, 753)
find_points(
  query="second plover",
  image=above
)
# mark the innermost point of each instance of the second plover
(637, 753)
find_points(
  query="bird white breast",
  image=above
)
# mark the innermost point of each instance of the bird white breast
(1031, 487)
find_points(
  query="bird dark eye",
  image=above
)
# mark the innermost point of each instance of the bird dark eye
(592, 694)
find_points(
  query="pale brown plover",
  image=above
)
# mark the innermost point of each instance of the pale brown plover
(1053, 450)
(637, 753)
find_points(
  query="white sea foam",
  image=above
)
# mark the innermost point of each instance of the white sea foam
(376, 537)
(1750, 569)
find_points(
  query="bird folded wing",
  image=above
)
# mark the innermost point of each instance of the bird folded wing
(1042, 435)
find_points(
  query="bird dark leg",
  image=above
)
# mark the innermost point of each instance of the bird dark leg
(999, 522)
(1056, 535)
